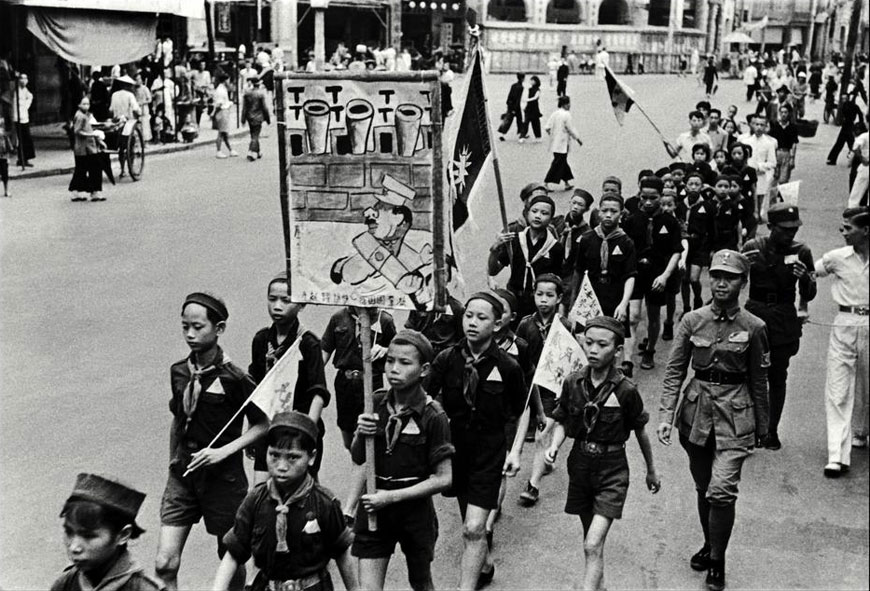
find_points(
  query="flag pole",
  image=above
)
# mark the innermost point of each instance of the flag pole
(640, 108)
(365, 337)
(495, 167)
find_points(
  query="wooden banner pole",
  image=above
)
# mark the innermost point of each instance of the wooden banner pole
(365, 337)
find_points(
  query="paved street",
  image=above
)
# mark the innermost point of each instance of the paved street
(89, 305)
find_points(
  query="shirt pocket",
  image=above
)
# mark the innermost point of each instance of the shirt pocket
(702, 351)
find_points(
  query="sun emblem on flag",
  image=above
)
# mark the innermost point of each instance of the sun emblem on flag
(460, 169)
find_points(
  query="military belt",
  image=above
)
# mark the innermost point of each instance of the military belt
(714, 376)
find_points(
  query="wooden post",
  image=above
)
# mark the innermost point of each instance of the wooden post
(439, 220)
(283, 184)
(365, 338)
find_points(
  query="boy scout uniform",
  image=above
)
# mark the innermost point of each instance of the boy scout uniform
(772, 287)
(725, 408)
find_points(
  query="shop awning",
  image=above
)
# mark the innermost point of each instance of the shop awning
(94, 37)
(185, 8)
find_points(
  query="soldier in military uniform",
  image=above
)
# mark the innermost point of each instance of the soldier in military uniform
(779, 267)
(724, 412)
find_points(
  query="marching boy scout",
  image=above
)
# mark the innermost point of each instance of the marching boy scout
(779, 267)
(412, 463)
(599, 408)
(290, 524)
(724, 412)
(846, 386)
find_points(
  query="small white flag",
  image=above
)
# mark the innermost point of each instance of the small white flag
(275, 393)
(586, 306)
(562, 354)
(789, 192)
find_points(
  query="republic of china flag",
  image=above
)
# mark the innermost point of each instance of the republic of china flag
(472, 155)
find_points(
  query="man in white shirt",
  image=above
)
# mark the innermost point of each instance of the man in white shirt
(681, 149)
(602, 62)
(125, 108)
(750, 77)
(561, 131)
(763, 160)
(22, 100)
(846, 385)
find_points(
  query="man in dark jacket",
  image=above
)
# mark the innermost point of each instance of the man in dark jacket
(514, 108)
(255, 111)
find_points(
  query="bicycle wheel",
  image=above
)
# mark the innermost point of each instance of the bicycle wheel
(136, 153)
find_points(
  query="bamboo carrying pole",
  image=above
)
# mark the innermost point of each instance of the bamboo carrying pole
(365, 337)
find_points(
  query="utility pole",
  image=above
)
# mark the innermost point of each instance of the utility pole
(669, 44)
(809, 48)
(209, 29)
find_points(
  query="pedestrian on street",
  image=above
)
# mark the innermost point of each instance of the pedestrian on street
(6, 149)
(562, 78)
(599, 408)
(514, 108)
(684, 144)
(482, 390)
(850, 116)
(724, 409)
(848, 373)
(412, 463)
(143, 97)
(711, 77)
(561, 130)
(205, 482)
(88, 174)
(99, 520)
(780, 266)
(126, 111)
(784, 132)
(221, 116)
(291, 526)
(861, 182)
(21, 117)
(533, 111)
(750, 79)
(255, 112)
(762, 157)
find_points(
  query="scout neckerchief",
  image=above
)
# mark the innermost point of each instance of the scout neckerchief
(470, 377)
(273, 352)
(605, 246)
(117, 577)
(549, 242)
(396, 422)
(544, 328)
(570, 229)
(509, 344)
(283, 507)
(193, 390)
(592, 408)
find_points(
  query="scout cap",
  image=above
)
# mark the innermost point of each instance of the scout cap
(730, 261)
(417, 340)
(785, 215)
(279, 278)
(538, 198)
(490, 297)
(585, 196)
(110, 494)
(295, 421)
(608, 323)
(652, 182)
(207, 300)
(509, 298)
(678, 166)
(533, 189)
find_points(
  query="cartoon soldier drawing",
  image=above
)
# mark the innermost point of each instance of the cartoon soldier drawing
(381, 250)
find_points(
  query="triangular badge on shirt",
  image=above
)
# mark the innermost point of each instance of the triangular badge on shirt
(411, 428)
(664, 230)
(494, 376)
(216, 387)
(617, 250)
(311, 527)
(702, 210)
(611, 401)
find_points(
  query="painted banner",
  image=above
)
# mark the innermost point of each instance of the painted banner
(358, 154)
(789, 192)
(562, 354)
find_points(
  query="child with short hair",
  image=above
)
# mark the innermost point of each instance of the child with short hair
(286, 334)
(290, 525)
(745, 209)
(575, 224)
(599, 408)
(533, 251)
(99, 518)
(341, 341)
(482, 389)
(726, 217)
(205, 482)
(535, 328)
(699, 230)
(669, 206)
(412, 463)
